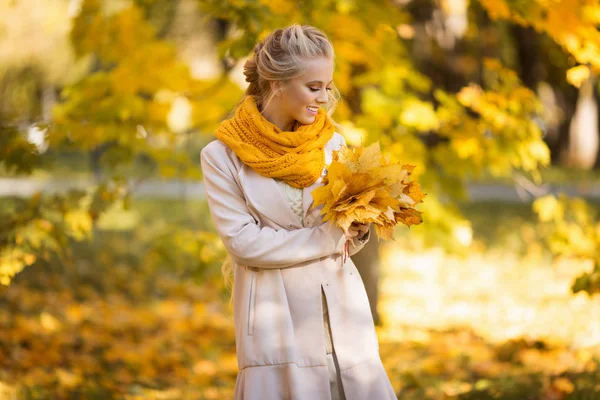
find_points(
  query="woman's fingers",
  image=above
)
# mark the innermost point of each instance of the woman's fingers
(360, 228)
(352, 233)
(357, 230)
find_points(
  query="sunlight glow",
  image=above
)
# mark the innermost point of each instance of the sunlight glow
(498, 296)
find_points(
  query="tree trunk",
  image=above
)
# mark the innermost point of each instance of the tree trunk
(531, 70)
(583, 130)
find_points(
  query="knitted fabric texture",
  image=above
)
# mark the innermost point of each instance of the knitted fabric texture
(296, 157)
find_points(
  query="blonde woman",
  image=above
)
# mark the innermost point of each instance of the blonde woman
(304, 329)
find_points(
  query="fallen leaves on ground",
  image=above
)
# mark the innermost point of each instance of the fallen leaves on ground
(59, 342)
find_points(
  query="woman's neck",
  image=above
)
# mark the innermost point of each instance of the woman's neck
(275, 117)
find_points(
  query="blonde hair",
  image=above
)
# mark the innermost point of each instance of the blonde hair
(280, 57)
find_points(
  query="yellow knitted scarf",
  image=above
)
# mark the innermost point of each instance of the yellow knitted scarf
(296, 157)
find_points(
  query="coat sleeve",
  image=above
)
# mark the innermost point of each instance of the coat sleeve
(356, 244)
(248, 243)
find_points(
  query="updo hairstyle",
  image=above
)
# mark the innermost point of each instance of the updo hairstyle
(280, 57)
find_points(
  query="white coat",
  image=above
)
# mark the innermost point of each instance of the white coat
(279, 268)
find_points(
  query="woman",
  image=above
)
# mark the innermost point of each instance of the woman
(304, 329)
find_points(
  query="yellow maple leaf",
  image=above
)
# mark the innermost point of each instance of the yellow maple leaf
(413, 191)
(361, 185)
(409, 216)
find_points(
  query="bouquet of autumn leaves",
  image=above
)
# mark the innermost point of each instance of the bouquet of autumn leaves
(362, 186)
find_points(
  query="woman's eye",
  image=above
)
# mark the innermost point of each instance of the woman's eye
(317, 89)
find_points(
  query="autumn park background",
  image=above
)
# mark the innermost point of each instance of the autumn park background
(110, 283)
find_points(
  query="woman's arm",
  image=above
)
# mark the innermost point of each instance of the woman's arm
(247, 242)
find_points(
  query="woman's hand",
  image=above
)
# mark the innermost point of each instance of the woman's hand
(357, 230)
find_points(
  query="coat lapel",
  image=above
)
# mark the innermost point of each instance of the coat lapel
(266, 197)
(307, 198)
(264, 194)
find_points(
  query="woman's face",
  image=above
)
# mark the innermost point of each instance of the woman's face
(302, 96)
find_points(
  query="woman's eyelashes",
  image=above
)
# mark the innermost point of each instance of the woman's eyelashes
(317, 89)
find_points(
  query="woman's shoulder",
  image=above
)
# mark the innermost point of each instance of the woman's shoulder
(215, 147)
(219, 153)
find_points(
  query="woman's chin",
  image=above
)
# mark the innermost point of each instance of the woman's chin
(307, 120)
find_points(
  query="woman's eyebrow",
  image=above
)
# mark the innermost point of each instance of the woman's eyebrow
(319, 81)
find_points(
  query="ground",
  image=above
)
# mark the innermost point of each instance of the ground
(128, 318)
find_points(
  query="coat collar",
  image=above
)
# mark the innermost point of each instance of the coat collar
(264, 194)
(266, 197)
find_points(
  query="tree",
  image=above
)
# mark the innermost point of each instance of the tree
(124, 105)
(480, 119)
(573, 25)
(449, 136)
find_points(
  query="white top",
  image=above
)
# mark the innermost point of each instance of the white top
(294, 197)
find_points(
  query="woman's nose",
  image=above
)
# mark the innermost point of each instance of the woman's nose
(323, 98)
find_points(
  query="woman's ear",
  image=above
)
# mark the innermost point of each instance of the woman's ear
(275, 88)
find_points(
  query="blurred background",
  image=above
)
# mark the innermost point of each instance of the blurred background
(110, 282)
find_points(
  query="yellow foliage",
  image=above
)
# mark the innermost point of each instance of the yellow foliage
(281, 7)
(503, 135)
(577, 75)
(68, 378)
(573, 231)
(467, 147)
(362, 186)
(570, 23)
(548, 208)
(420, 115)
(79, 223)
(12, 261)
(49, 322)
(498, 9)
(8, 391)
(205, 367)
(563, 385)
